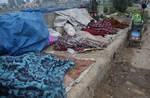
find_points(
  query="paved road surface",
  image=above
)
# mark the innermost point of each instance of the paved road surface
(129, 76)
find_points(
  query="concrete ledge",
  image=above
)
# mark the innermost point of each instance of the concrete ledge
(86, 87)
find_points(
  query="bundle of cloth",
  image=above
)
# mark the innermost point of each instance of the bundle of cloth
(33, 75)
(117, 24)
(72, 21)
(79, 30)
(80, 42)
(101, 27)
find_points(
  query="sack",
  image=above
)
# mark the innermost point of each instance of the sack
(69, 29)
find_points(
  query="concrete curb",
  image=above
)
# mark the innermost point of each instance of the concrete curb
(86, 87)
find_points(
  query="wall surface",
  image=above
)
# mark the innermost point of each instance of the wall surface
(86, 87)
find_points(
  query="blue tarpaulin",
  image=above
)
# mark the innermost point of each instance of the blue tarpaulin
(43, 10)
(22, 32)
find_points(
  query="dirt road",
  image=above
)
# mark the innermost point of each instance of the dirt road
(129, 76)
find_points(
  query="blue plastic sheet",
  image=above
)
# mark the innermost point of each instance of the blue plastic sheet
(43, 10)
(22, 32)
